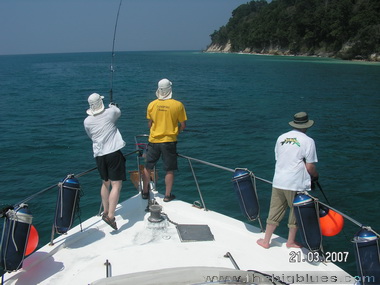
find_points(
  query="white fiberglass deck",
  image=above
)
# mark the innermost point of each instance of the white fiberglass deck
(140, 246)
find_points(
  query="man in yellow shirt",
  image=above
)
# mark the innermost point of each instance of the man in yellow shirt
(166, 119)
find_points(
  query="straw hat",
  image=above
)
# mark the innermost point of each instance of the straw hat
(301, 121)
(96, 104)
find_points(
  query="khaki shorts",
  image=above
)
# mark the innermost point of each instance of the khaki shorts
(280, 201)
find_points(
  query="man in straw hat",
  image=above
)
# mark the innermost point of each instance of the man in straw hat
(295, 155)
(100, 126)
(166, 119)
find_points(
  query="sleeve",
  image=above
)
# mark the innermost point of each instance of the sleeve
(116, 113)
(311, 152)
(182, 114)
(87, 131)
(148, 116)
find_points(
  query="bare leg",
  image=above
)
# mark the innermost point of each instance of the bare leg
(265, 242)
(169, 180)
(114, 197)
(146, 180)
(104, 193)
(292, 239)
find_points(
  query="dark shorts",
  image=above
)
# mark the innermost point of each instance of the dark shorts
(111, 166)
(168, 151)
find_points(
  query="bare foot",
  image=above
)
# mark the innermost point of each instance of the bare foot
(262, 243)
(293, 245)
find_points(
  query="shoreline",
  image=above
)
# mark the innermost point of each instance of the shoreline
(295, 55)
(213, 48)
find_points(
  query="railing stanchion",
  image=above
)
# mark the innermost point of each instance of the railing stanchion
(196, 182)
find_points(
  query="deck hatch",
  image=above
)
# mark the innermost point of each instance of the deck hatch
(188, 233)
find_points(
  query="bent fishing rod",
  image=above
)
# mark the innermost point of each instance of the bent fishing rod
(113, 51)
(111, 100)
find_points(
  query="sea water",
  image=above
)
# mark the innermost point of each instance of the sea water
(237, 106)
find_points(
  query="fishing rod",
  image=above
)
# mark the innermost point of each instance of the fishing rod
(328, 205)
(323, 193)
(113, 51)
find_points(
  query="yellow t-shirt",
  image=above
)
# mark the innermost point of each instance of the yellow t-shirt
(165, 116)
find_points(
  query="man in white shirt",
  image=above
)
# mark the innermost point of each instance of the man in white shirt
(296, 155)
(100, 126)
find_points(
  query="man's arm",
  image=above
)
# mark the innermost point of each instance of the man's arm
(312, 170)
(182, 127)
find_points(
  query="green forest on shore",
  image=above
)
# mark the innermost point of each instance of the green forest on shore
(346, 29)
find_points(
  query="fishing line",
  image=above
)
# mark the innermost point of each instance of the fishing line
(113, 51)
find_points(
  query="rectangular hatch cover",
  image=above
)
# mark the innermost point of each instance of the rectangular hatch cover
(188, 233)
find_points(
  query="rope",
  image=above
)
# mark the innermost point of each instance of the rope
(169, 220)
(253, 181)
(14, 217)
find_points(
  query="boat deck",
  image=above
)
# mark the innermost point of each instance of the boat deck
(142, 246)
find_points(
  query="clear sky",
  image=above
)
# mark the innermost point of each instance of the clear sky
(55, 26)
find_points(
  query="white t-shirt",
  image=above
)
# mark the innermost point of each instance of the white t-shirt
(292, 150)
(101, 128)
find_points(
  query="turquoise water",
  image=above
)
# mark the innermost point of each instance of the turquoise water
(237, 105)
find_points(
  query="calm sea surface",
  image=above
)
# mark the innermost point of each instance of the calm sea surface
(237, 105)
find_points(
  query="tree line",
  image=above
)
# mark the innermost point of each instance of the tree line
(348, 29)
